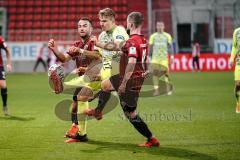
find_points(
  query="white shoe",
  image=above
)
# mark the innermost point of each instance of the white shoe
(5, 111)
(169, 93)
(238, 108)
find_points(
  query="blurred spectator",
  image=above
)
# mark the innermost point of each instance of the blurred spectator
(195, 55)
(40, 58)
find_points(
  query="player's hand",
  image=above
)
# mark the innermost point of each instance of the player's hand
(81, 70)
(52, 45)
(122, 89)
(9, 67)
(231, 64)
(94, 39)
(75, 50)
(146, 74)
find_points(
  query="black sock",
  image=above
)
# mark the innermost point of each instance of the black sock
(4, 96)
(74, 118)
(103, 99)
(74, 114)
(237, 93)
(141, 127)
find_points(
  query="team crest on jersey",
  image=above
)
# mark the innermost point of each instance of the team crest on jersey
(132, 50)
(119, 37)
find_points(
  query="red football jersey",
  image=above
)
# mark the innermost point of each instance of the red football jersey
(82, 61)
(3, 45)
(135, 46)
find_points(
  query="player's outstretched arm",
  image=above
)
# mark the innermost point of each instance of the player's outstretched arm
(171, 51)
(60, 56)
(110, 46)
(76, 51)
(92, 54)
(128, 73)
(234, 49)
(9, 62)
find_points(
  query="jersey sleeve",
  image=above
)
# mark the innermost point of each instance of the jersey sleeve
(151, 39)
(169, 37)
(120, 34)
(3, 44)
(131, 49)
(234, 47)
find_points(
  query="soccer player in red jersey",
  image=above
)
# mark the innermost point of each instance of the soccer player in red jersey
(83, 60)
(130, 79)
(3, 84)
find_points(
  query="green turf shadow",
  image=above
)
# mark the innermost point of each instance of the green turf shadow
(16, 118)
(162, 151)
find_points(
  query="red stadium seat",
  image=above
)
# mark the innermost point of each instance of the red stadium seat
(63, 3)
(38, 10)
(37, 17)
(28, 17)
(19, 35)
(12, 25)
(21, 3)
(46, 25)
(55, 3)
(37, 25)
(54, 25)
(29, 10)
(20, 17)
(54, 17)
(12, 18)
(72, 3)
(63, 9)
(55, 10)
(47, 2)
(30, 3)
(12, 3)
(63, 25)
(19, 25)
(38, 3)
(12, 10)
(46, 17)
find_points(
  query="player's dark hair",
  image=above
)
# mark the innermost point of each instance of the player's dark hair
(86, 19)
(136, 18)
(107, 12)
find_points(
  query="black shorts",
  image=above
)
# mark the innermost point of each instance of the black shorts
(129, 99)
(2, 73)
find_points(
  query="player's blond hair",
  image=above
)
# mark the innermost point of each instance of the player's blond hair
(107, 12)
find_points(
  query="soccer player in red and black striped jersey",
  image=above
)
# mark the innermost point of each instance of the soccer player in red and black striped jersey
(77, 131)
(3, 84)
(129, 81)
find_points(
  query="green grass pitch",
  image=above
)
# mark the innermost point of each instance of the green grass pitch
(198, 122)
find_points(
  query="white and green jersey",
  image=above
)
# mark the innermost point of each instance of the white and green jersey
(116, 34)
(236, 46)
(160, 42)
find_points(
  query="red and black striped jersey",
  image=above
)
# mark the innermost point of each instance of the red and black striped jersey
(3, 45)
(135, 46)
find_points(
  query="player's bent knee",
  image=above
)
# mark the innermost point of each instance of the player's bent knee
(83, 98)
(155, 72)
(75, 98)
(3, 84)
(237, 83)
(106, 85)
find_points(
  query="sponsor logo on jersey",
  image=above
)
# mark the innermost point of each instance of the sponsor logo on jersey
(132, 50)
(119, 37)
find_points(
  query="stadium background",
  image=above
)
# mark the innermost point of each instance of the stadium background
(27, 24)
(197, 122)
